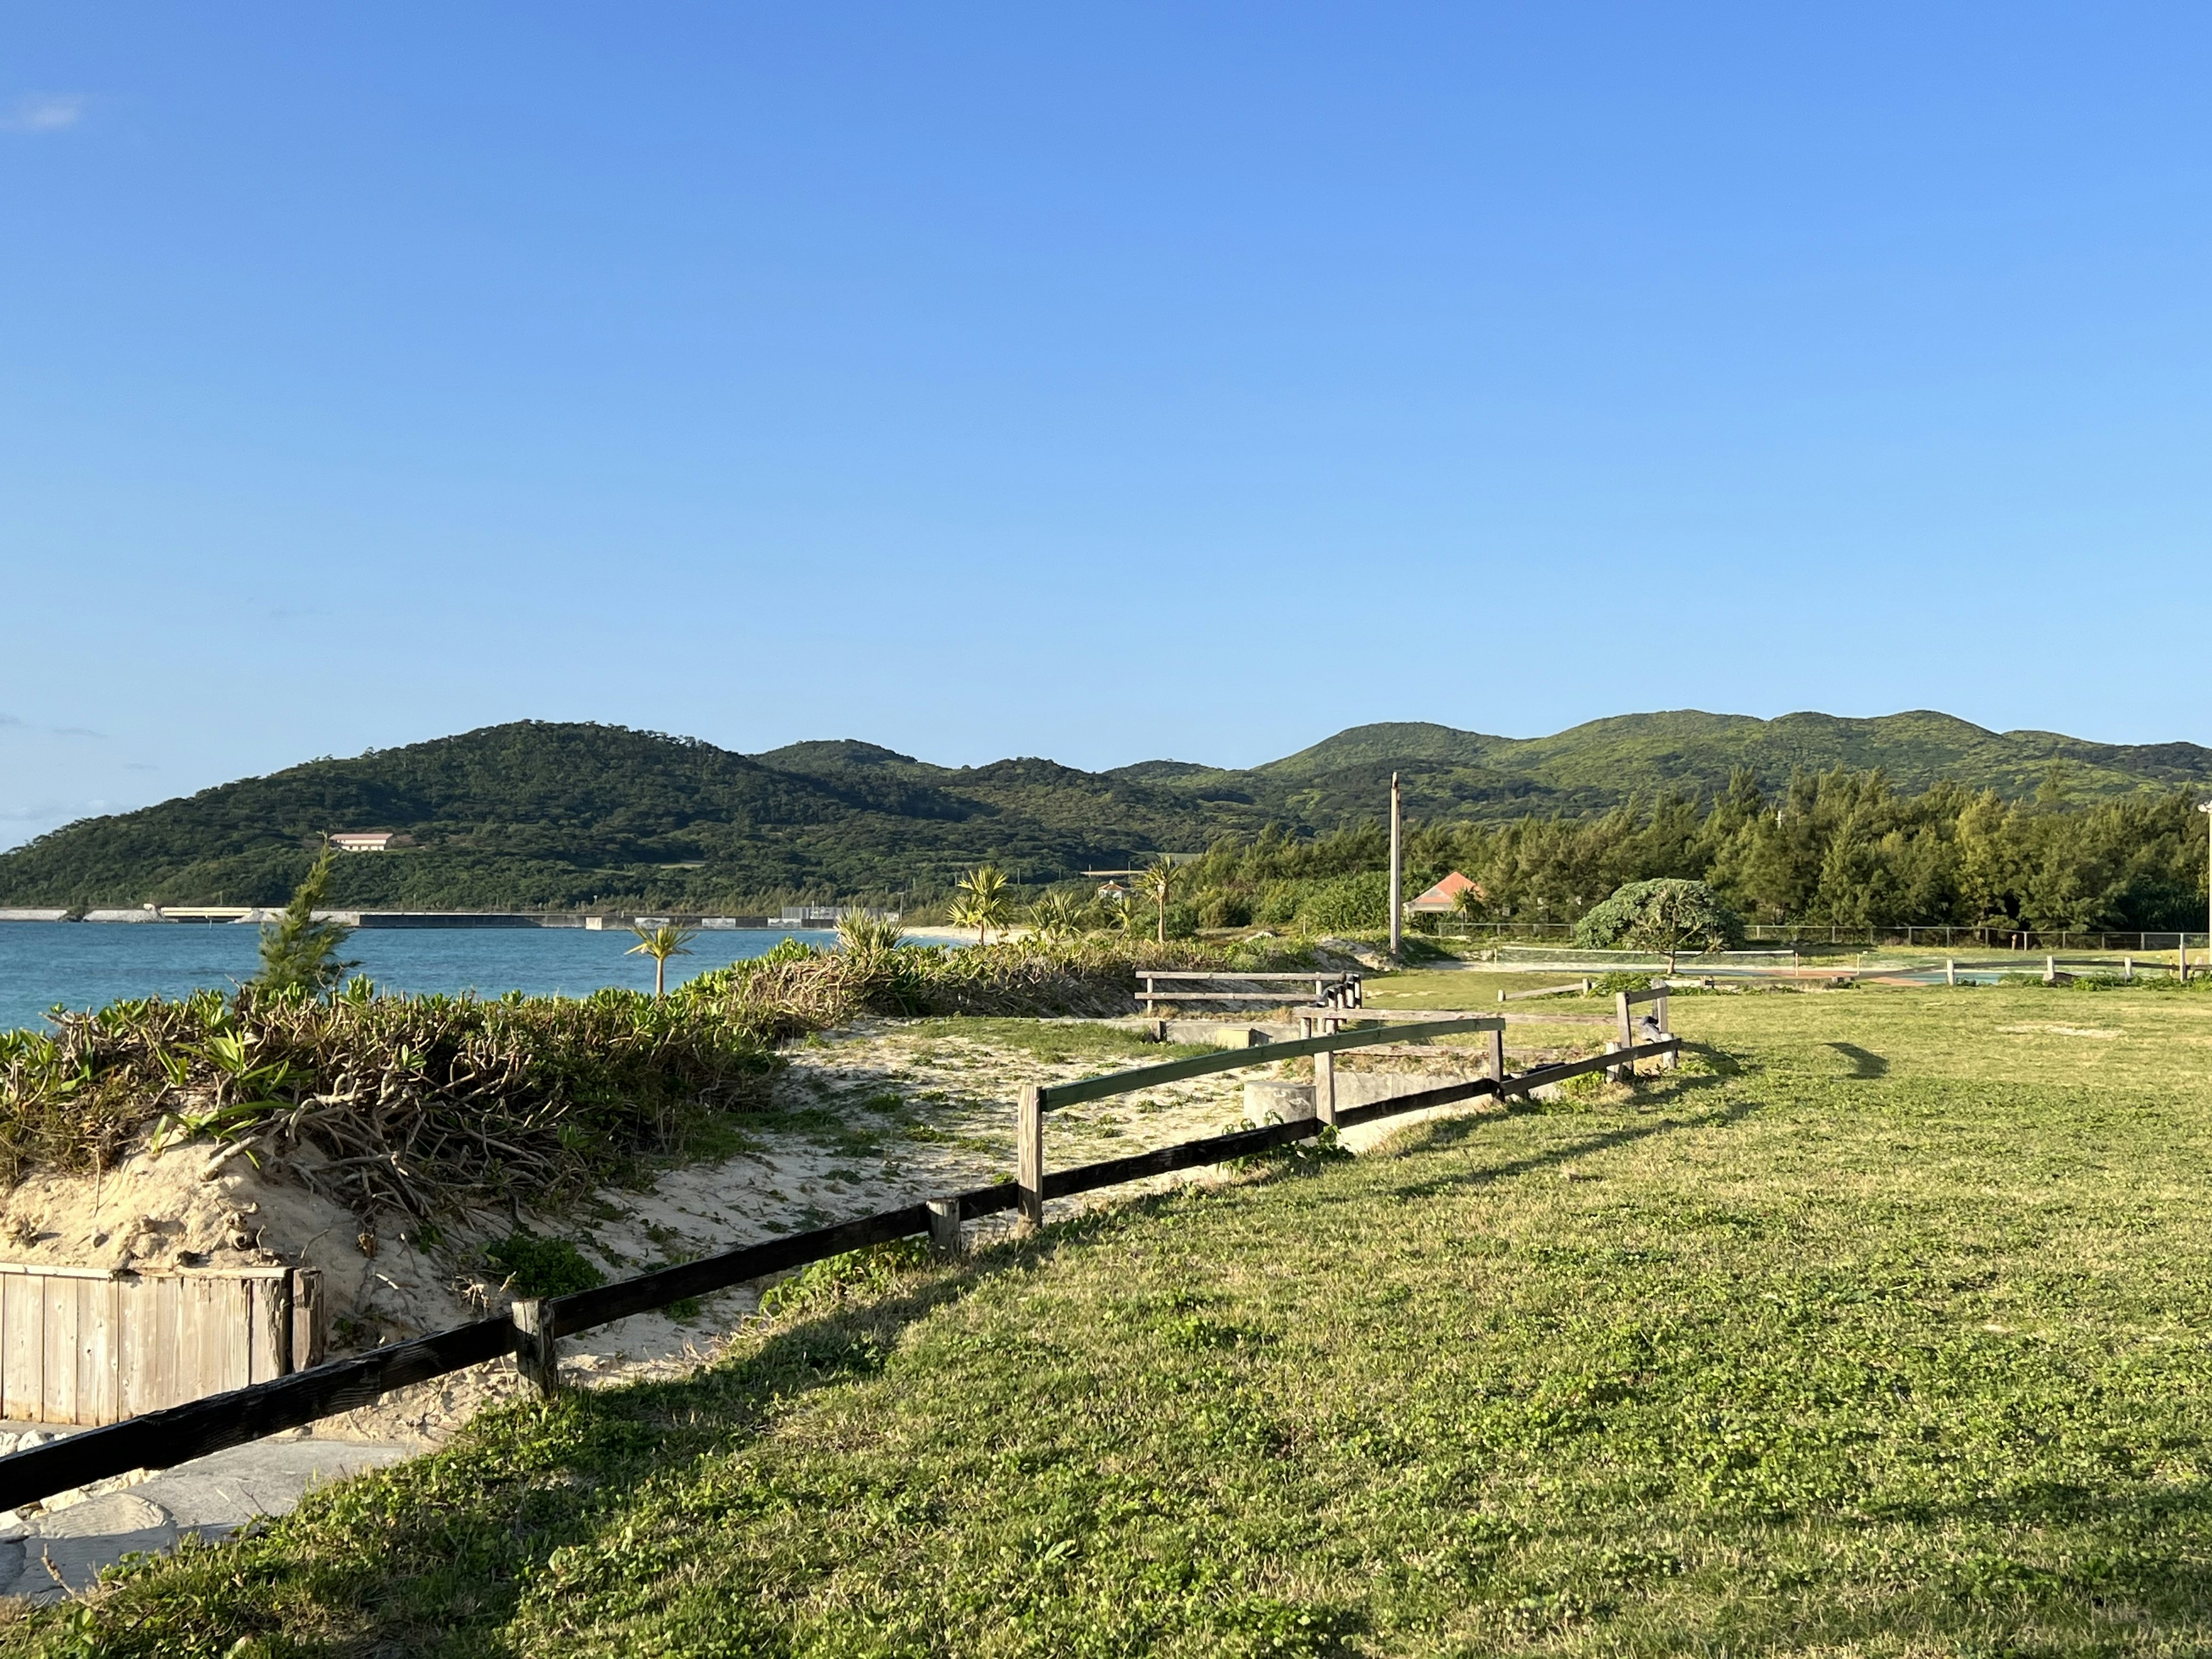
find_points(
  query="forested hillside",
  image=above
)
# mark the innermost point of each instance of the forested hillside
(1446, 773)
(540, 814)
(537, 814)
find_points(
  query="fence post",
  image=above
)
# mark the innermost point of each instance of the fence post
(1324, 1075)
(1666, 1029)
(537, 1354)
(1498, 1059)
(1950, 970)
(1028, 1174)
(945, 1225)
(2181, 959)
(1627, 1022)
(2127, 966)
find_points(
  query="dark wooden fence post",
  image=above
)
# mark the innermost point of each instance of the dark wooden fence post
(1028, 1169)
(1497, 1056)
(537, 1351)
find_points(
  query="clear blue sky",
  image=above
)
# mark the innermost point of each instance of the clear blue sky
(1103, 384)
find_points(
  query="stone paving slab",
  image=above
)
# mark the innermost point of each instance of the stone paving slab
(46, 1555)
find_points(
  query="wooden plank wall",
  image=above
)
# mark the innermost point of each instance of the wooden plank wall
(83, 1346)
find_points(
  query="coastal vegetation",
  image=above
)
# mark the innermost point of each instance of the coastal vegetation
(982, 903)
(425, 1103)
(537, 815)
(661, 943)
(1878, 1328)
(299, 949)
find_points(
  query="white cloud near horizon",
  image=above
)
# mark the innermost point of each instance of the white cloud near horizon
(44, 111)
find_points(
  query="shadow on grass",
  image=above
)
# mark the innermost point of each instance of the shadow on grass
(1452, 1133)
(1863, 1062)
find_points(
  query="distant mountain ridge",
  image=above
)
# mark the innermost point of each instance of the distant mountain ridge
(538, 813)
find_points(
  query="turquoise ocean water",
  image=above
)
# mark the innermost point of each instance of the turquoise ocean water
(84, 965)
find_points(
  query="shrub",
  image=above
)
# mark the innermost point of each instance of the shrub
(1278, 906)
(1606, 985)
(1220, 907)
(409, 1103)
(538, 1266)
(1353, 903)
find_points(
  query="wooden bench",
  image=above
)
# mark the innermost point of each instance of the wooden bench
(1329, 990)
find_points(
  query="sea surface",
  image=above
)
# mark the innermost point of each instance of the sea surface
(87, 964)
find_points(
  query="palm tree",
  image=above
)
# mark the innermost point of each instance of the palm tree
(985, 907)
(1054, 917)
(864, 935)
(1158, 884)
(660, 944)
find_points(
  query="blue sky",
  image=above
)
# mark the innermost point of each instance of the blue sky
(1104, 384)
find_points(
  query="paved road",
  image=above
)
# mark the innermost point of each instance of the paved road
(65, 1549)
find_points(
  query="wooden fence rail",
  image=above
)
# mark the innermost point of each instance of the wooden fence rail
(162, 1439)
(1333, 990)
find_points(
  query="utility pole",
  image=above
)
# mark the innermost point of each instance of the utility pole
(1397, 836)
(2205, 807)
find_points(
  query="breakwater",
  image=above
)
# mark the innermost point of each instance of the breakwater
(809, 916)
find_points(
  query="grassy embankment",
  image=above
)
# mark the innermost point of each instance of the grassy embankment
(1881, 1329)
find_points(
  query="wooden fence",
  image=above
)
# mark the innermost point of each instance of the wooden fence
(532, 1331)
(96, 1344)
(1917, 936)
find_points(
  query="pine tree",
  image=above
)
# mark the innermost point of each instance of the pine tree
(298, 952)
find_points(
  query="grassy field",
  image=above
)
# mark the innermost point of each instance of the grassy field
(1881, 1329)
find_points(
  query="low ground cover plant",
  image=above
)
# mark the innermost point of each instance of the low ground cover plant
(1880, 1328)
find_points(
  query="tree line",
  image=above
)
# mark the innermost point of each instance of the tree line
(1836, 848)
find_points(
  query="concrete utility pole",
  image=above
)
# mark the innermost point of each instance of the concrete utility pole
(1397, 823)
(2205, 807)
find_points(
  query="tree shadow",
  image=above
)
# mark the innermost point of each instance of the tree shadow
(1451, 1132)
(1864, 1063)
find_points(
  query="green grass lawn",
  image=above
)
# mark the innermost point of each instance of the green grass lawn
(1881, 1329)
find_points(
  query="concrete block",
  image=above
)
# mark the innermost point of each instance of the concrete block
(1273, 1100)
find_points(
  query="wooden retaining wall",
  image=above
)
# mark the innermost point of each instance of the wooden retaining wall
(94, 1345)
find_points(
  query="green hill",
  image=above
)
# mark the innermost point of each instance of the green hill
(542, 814)
(1446, 772)
(538, 814)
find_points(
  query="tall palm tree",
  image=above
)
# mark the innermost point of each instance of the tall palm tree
(660, 944)
(1158, 884)
(985, 907)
